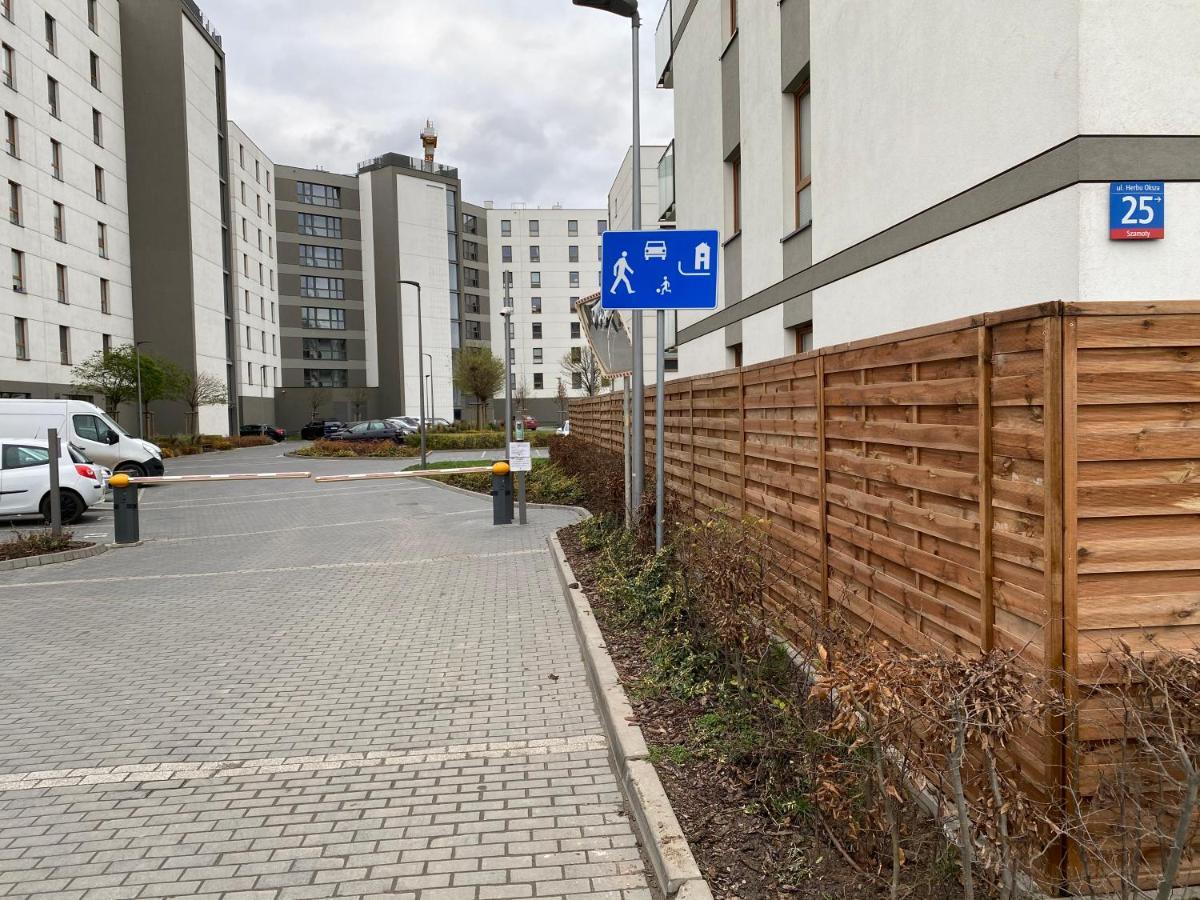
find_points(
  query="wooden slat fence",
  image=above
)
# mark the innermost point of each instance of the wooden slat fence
(1027, 480)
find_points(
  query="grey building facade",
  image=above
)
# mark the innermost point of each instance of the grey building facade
(326, 326)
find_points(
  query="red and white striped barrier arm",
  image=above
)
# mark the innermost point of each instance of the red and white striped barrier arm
(405, 473)
(187, 479)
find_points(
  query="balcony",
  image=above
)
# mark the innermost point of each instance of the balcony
(664, 38)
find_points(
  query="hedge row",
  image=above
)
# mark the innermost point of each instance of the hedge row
(473, 440)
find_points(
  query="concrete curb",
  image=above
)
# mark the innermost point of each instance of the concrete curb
(674, 865)
(583, 513)
(49, 559)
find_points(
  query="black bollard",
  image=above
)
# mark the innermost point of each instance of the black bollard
(126, 528)
(502, 510)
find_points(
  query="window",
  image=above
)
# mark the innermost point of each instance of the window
(506, 253)
(574, 304)
(318, 194)
(572, 227)
(60, 281)
(576, 354)
(451, 210)
(270, 246)
(247, 301)
(535, 253)
(249, 346)
(10, 67)
(245, 229)
(600, 257)
(242, 155)
(262, 341)
(535, 305)
(18, 271)
(732, 17)
(262, 307)
(803, 336)
(322, 288)
(104, 292)
(258, 205)
(21, 327)
(506, 228)
(51, 35)
(574, 279)
(250, 373)
(56, 160)
(802, 113)
(573, 253)
(324, 348)
(576, 380)
(538, 381)
(268, 181)
(64, 345)
(106, 343)
(263, 374)
(97, 128)
(574, 331)
(100, 184)
(242, 192)
(736, 353)
(95, 69)
(537, 331)
(470, 223)
(60, 223)
(735, 171)
(102, 239)
(93, 428)
(14, 203)
(474, 330)
(535, 279)
(272, 317)
(601, 226)
(470, 277)
(246, 264)
(323, 317)
(6, 7)
(473, 304)
(258, 171)
(11, 144)
(320, 257)
(320, 226)
(537, 356)
(93, 15)
(52, 96)
(534, 228)
(326, 378)
(470, 250)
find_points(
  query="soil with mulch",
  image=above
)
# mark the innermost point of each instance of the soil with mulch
(743, 853)
(21, 549)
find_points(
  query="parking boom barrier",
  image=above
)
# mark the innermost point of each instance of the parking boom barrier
(186, 479)
(403, 473)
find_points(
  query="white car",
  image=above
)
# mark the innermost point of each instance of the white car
(25, 480)
(564, 430)
(656, 250)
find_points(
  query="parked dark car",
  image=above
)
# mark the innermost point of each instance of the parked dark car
(320, 429)
(273, 432)
(371, 430)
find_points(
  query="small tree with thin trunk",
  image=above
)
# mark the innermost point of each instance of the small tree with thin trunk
(317, 398)
(479, 373)
(201, 389)
(521, 396)
(562, 397)
(591, 377)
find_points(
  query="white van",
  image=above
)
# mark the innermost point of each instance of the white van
(84, 426)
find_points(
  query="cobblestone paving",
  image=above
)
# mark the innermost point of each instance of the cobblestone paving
(303, 691)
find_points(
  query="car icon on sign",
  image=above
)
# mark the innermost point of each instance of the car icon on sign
(656, 250)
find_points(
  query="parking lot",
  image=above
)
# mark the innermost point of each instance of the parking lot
(302, 690)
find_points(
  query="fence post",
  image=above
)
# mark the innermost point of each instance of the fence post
(742, 432)
(987, 610)
(821, 497)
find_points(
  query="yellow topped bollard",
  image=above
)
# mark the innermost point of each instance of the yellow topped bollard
(501, 493)
(120, 480)
(126, 528)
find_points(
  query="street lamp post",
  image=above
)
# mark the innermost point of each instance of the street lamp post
(506, 314)
(629, 10)
(420, 360)
(137, 355)
(429, 378)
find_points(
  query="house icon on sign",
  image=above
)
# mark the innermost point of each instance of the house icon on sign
(703, 257)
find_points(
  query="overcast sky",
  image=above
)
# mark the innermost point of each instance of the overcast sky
(531, 98)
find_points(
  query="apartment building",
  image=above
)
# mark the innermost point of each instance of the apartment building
(888, 165)
(256, 367)
(327, 327)
(412, 213)
(180, 228)
(553, 257)
(65, 239)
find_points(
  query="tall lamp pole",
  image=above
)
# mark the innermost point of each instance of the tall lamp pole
(420, 361)
(629, 10)
(429, 378)
(506, 314)
(137, 355)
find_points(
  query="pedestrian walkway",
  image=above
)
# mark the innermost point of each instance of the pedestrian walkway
(318, 693)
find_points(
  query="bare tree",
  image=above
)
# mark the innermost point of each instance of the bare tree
(585, 364)
(200, 389)
(562, 397)
(317, 398)
(361, 396)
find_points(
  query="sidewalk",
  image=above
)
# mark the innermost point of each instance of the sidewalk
(265, 701)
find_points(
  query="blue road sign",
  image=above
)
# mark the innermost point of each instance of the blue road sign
(1137, 211)
(660, 270)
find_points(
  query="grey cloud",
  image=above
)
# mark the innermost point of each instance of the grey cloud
(531, 97)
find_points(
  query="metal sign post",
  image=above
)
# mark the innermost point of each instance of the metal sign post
(55, 491)
(520, 460)
(658, 270)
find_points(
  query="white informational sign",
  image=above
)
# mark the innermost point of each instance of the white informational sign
(520, 459)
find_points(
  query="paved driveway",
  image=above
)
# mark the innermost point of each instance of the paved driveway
(295, 690)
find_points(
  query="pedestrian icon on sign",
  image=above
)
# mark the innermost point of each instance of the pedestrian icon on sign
(621, 273)
(665, 287)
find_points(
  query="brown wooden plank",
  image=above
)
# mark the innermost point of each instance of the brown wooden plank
(983, 435)
(1150, 330)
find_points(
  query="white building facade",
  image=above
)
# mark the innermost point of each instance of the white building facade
(553, 256)
(65, 239)
(255, 293)
(882, 166)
